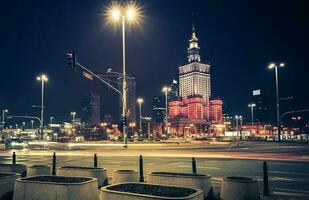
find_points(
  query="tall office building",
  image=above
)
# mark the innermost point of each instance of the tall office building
(193, 110)
(91, 109)
(194, 77)
(174, 93)
(131, 99)
(158, 108)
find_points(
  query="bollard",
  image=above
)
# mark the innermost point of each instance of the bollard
(95, 161)
(14, 158)
(54, 165)
(193, 166)
(265, 179)
(141, 169)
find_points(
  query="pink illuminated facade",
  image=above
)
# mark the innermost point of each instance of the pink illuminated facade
(195, 107)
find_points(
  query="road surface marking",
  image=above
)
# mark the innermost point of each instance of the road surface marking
(292, 190)
(291, 194)
(113, 162)
(187, 166)
(149, 164)
(292, 173)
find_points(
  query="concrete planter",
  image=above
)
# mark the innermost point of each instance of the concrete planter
(7, 182)
(145, 191)
(56, 187)
(120, 176)
(37, 170)
(199, 181)
(240, 188)
(98, 173)
(14, 168)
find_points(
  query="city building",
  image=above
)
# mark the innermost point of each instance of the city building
(174, 93)
(193, 111)
(158, 108)
(131, 99)
(261, 111)
(91, 109)
(194, 77)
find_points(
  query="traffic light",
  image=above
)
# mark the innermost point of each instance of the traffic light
(71, 56)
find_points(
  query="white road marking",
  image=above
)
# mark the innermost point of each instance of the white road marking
(113, 162)
(292, 191)
(291, 173)
(149, 164)
(198, 167)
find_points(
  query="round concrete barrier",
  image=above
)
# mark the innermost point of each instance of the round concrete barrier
(239, 188)
(56, 187)
(7, 182)
(145, 191)
(95, 172)
(120, 176)
(36, 170)
(14, 168)
(199, 181)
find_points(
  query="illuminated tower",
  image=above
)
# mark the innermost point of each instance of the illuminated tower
(194, 77)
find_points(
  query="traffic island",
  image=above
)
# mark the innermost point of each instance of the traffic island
(200, 181)
(145, 191)
(37, 170)
(56, 187)
(95, 172)
(7, 182)
(14, 168)
(239, 188)
(120, 176)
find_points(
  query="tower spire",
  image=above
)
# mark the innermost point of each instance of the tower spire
(194, 49)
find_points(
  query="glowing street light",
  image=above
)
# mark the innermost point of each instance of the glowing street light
(252, 105)
(238, 117)
(32, 121)
(140, 101)
(3, 117)
(275, 66)
(43, 78)
(166, 90)
(116, 14)
(24, 125)
(128, 13)
(73, 118)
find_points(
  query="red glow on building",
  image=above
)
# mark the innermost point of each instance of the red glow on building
(195, 107)
(215, 111)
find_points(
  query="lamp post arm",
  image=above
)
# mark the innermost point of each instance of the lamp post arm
(25, 117)
(98, 77)
(291, 112)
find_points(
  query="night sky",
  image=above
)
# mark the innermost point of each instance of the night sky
(239, 39)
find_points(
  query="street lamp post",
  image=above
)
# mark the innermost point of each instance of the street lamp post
(43, 78)
(129, 13)
(51, 120)
(238, 128)
(73, 118)
(271, 66)
(3, 117)
(252, 105)
(24, 124)
(140, 101)
(236, 120)
(32, 121)
(166, 90)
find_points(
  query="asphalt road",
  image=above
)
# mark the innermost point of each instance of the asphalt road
(288, 169)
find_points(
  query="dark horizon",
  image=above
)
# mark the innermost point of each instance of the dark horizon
(238, 38)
